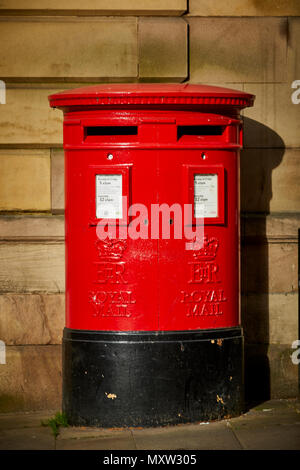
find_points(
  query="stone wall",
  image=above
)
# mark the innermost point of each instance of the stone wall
(49, 46)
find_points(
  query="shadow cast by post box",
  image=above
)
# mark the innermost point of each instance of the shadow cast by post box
(263, 151)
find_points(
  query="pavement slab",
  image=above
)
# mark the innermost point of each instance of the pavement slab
(280, 437)
(89, 438)
(273, 425)
(33, 438)
(124, 442)
(24, 420)
(201, 436)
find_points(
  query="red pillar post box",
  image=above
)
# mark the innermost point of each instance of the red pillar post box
(153, 331)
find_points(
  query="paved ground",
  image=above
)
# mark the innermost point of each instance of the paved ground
(273, 425)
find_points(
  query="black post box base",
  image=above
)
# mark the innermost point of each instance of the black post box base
(119, 379)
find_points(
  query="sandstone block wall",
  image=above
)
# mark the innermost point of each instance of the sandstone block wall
(48, 46)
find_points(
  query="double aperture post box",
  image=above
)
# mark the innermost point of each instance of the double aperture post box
(153, 331)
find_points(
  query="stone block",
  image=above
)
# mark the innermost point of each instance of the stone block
(75, 47)
(274, 120)
(94, 7)
(244, 8)
(32, 267)
(269, 372)
(27, 118)
(270, 318)
(25, 180)
(57, 181)
(293, 48)
(269, 268)
(162, 49)
(29, 227)
(283, 373)
(270, 180)
(31, 378)
(273, 228)
(228, 50)
(32, 318)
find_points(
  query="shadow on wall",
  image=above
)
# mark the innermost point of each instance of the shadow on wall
(264, 150)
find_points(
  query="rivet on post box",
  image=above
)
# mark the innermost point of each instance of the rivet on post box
(153, 333)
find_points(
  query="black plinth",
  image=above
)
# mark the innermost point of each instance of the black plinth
(117, 379)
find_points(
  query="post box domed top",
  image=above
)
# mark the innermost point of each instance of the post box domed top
(151, 95)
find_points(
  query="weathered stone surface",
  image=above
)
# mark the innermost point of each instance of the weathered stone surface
(32, 267)
(96, 7)
(293, 49)
(274, 121)
(28, 227)
(25, 180)
(162, 49)
(269, 372)
(274, 227)
(27, 118)
(31, 378)
(269, 268)
(237, 49)
(70, 48)
(270, 180)
(270, 318)
(57, 180)
(244, 8)
(31, 318)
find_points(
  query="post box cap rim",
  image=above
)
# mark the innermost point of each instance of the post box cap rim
(149, 94)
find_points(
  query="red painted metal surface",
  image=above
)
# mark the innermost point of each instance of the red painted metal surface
(151, 284)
